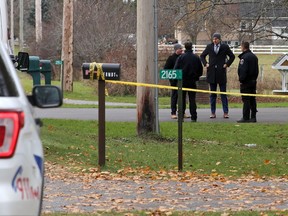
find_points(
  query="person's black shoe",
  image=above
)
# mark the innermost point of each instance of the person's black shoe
(193, 120)
(243, 121)
(253, 120)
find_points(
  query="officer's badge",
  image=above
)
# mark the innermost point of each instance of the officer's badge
(242, 61)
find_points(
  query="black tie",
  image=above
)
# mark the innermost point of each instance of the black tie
(216, 48)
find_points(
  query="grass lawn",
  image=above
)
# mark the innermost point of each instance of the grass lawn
(208, 149)
(216, 150)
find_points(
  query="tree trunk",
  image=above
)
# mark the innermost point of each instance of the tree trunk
(67, 45)
(38, 21)
(12, 25)
(145, 67)
(21, 24)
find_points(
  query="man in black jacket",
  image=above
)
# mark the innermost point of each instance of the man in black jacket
(192, 69)
(248, 71)
(217, 71)
(170, 63)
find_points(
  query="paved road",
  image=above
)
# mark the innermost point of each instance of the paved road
(265, 115)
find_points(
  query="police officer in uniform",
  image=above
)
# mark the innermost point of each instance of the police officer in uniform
(248, 71)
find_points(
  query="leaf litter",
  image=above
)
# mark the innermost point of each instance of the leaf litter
(158, 192)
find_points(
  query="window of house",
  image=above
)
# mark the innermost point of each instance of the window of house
(284, 31)
(243, 25)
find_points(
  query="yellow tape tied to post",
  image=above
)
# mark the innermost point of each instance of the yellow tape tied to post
(100, 72)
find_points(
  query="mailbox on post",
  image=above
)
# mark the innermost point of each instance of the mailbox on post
(45, 69)
(101, 72)
(22, 60)
(34, 69)
(111, 71)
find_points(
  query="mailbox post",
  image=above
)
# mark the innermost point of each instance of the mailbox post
(34, 69)
(101, 72)
(46, 69)
(177, 74)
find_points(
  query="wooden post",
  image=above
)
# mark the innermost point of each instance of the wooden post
(67, 45)
(21, 25)
(38, 20)
(180, 124)
(12, 25)
(101, 122)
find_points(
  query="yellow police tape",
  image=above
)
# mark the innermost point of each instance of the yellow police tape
(100, 73)
(194, 90)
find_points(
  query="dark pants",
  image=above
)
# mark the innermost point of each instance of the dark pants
(174, 98)
(213, 97)
(192, 100)
(249, 102)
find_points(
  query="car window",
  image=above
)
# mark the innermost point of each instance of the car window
(7, 85)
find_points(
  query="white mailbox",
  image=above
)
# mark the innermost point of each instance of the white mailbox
(281, 64)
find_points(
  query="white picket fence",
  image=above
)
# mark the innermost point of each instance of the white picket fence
(257, 49)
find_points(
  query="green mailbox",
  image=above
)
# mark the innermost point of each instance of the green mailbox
(34, 69)
(45, 69)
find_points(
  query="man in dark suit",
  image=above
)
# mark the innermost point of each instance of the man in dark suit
(170, 63)
(220, 58)
(192, 69)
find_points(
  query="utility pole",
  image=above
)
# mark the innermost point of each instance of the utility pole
(38, 21)
(146, 118)
(67, 46)
(156, 74)
(21, 24)
(12, 25)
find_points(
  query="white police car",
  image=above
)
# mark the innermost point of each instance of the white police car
(21, 153)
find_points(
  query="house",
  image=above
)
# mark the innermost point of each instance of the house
(260, 22)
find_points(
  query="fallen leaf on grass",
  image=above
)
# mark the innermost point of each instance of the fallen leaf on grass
(266, 162)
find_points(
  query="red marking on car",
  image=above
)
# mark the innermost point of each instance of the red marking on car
(27, 191)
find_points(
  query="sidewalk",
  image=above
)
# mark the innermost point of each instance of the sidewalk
(82, 102)
(103, 191)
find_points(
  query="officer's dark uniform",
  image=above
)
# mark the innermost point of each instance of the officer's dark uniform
(248, 71)
(192, 69)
